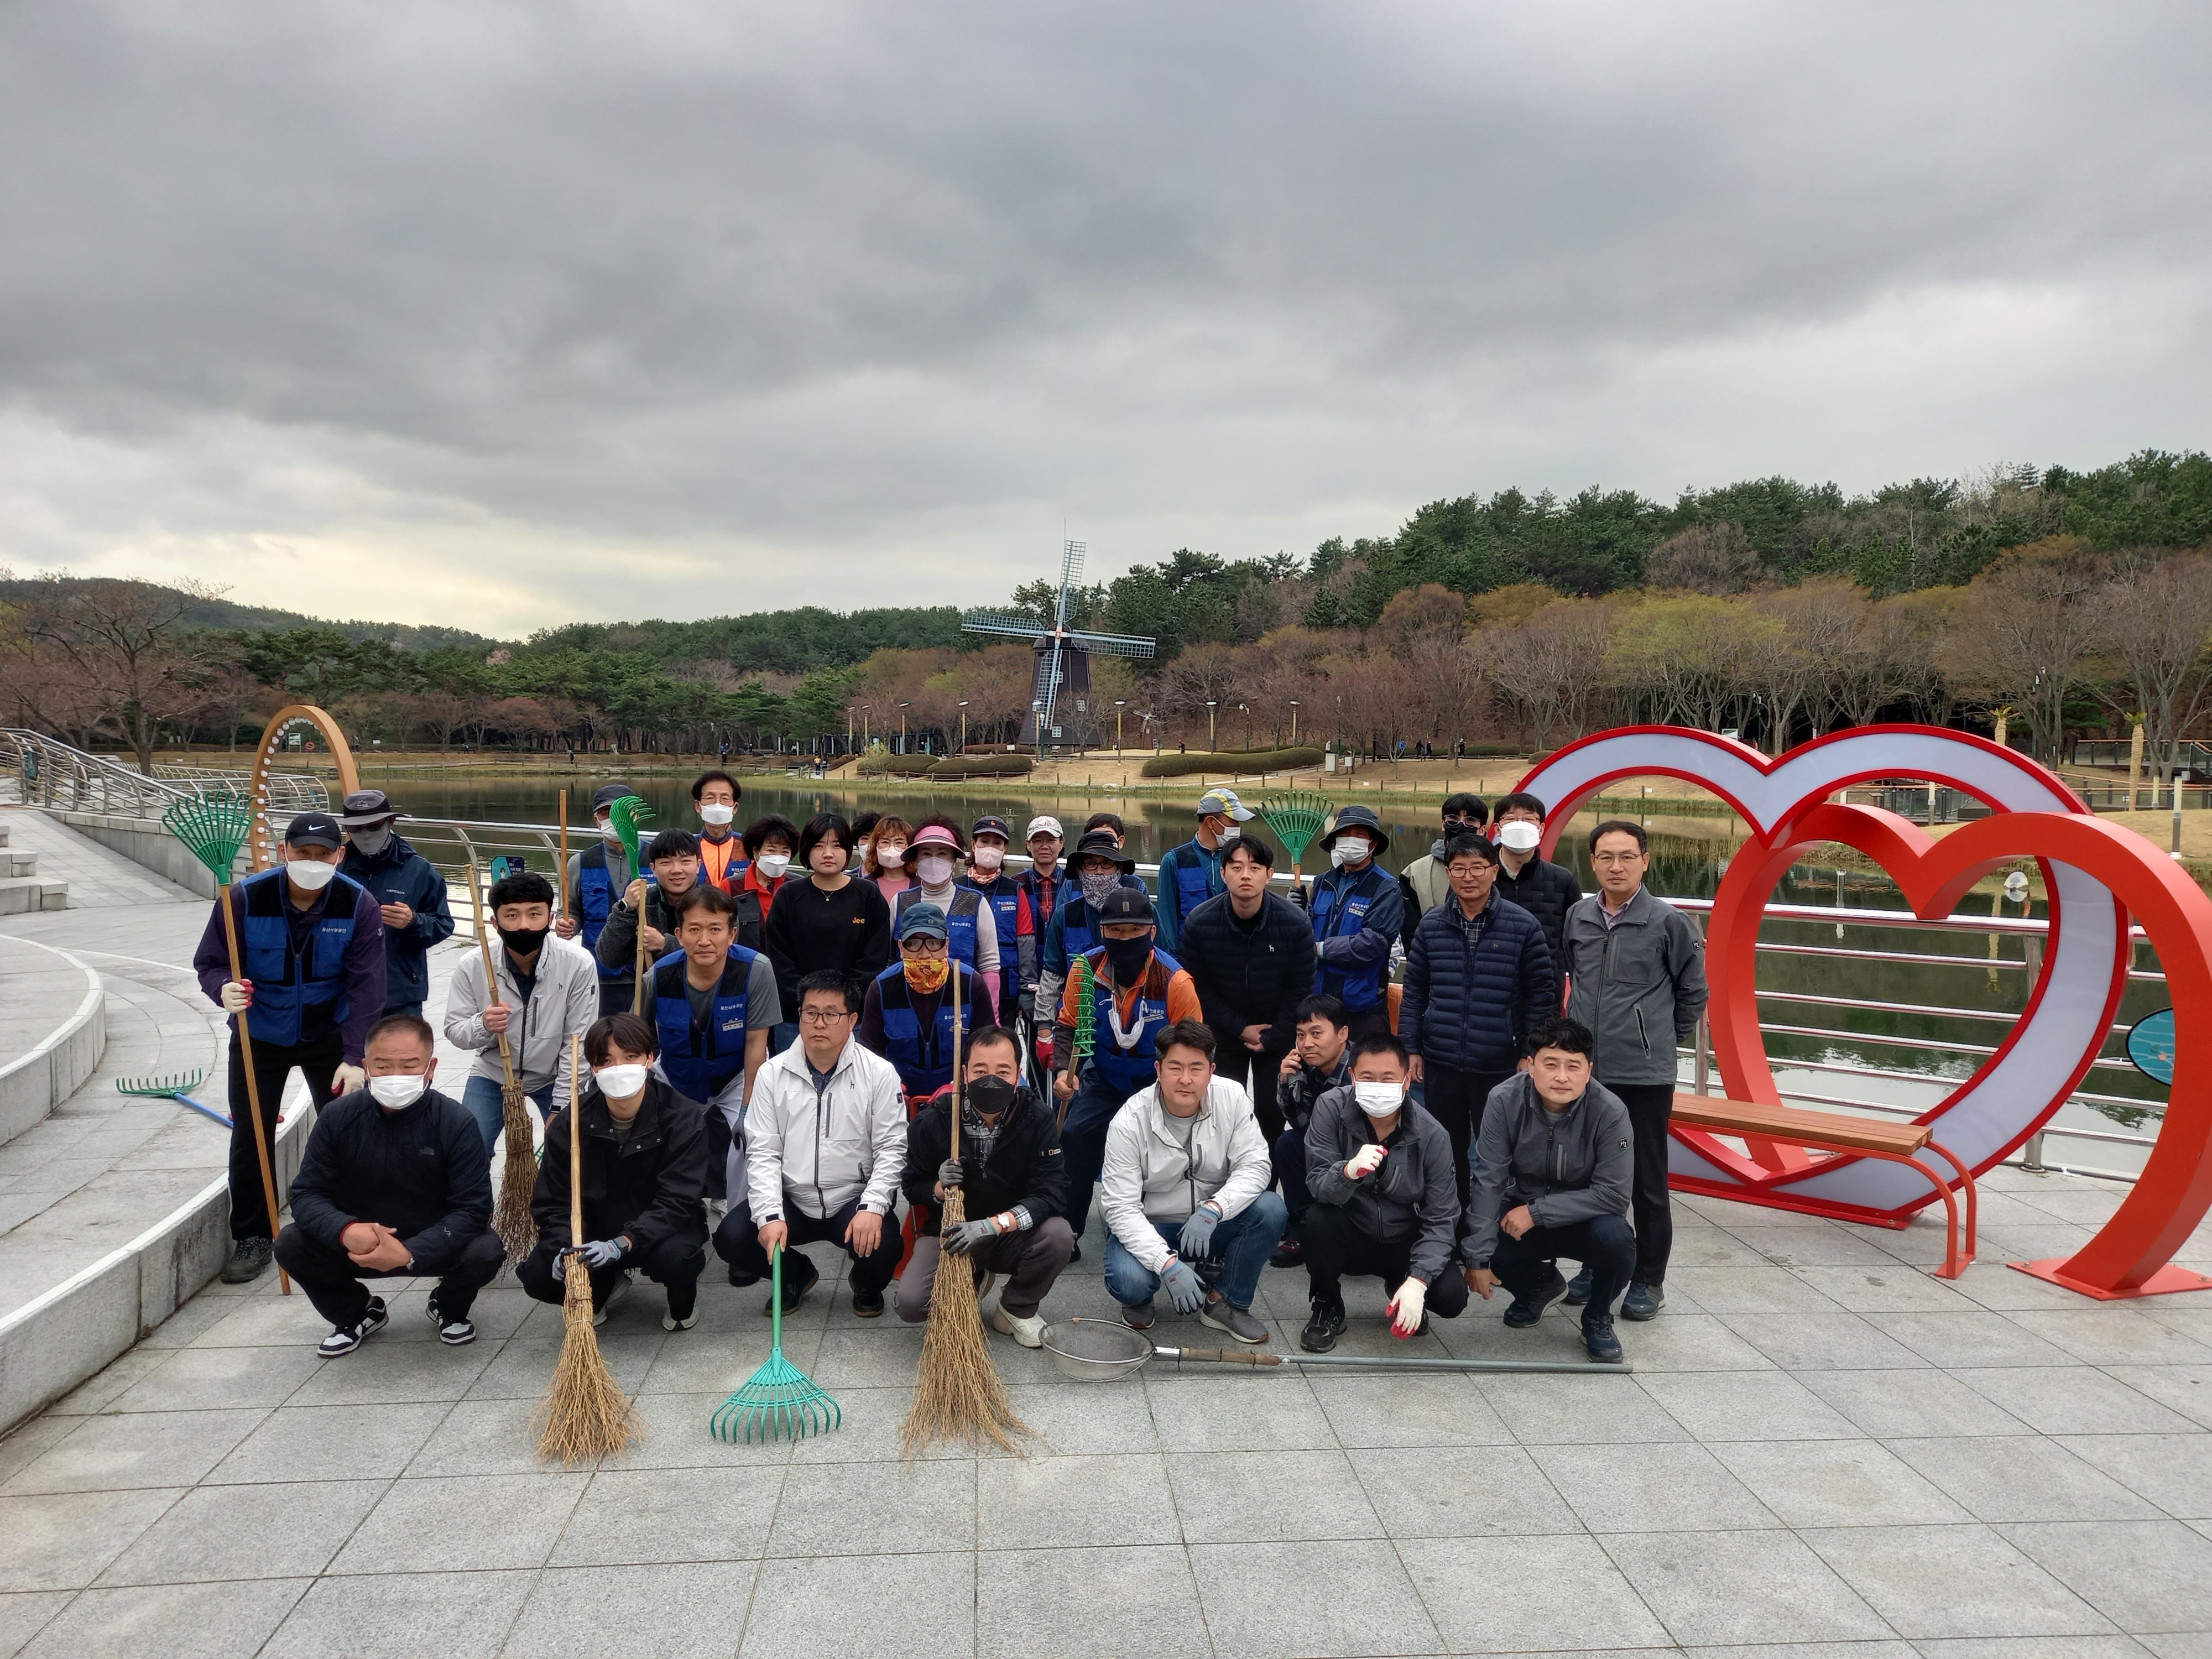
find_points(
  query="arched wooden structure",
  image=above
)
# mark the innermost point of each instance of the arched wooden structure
(267, 834)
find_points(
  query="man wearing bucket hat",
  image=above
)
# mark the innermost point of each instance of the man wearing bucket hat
(1357, 913)
(1191, 874)
(595, 879)
(406, 887)
(932, 862)
(1099, 867)
(907, 1016)
(988, 839)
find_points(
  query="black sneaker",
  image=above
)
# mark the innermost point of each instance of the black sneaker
(1579, 1288)
(1226, 1316)
(741, 1280)
(1288, 1253)
(1138, 1318)
(866, 1303)
(454, 1332)
(1526, 1311)
(344, 1339)
(1643, 1301)
(1597, 1336)
(1322, 1329)
(794, 1292)
(249, 1260)
(1075, 1251)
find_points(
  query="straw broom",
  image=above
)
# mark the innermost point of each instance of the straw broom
(584, 1415)
(959, 1394)
(518, 1174)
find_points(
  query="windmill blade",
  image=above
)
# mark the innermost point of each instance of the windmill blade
(1002, 622)
(1114, 644)
(1071, 571)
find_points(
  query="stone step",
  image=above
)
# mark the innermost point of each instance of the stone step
(18, 863)
(3, 832)
(19, 894)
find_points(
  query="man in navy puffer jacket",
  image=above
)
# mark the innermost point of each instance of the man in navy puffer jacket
(1478, 979)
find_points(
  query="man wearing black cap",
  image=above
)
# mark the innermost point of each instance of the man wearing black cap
(987, 842)
(1137, 991)
(1358, 914)
(406, 886)
(1099, 867)
(596, 877)
(310, 942)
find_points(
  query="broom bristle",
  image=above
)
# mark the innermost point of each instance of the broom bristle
(584, 1415)
(960, 1394)
(518, 1179)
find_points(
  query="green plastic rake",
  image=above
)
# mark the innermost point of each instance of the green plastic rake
(176, 1088)
(213, 827)
(626, 815)
(1296, 819)
(782, 1402)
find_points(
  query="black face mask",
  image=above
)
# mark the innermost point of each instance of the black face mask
(1127, 955)
(523, 941)
(991, 1095)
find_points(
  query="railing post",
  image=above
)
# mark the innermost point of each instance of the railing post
(2031, 1155)
(1704, 1072)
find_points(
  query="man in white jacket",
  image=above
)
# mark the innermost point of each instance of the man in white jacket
(548, 988)
(825, 1143)
(1186, 1180)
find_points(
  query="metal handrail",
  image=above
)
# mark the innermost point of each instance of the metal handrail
(37, 770)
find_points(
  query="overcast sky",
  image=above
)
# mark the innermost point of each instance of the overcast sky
(504, 316)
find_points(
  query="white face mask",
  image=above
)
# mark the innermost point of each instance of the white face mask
(621, 1082)
(934, 870)
(986, 857)
(1349, 849)
(1521, 838)
(399, 1090)
(313, 874)
(717, 815)
(1379, 1100)
(889, 859)
(772, 865)
(610, 835)
(1228, 833)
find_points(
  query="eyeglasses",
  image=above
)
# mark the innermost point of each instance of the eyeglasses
(823, 1015)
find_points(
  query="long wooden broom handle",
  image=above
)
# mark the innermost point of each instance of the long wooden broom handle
(956, 1061)
(252, 1089)
(561, 876)
(491, 980)
(575, 1140)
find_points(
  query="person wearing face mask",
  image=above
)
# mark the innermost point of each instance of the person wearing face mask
(1190, 874)
(547, 989)
(972, 926)
(907, 1016)
(1042, 886)
(1421, 885)
(722, 855)
(1011, 915)
(769, 844)
(311, 944)
(645, 1174)
(1384, 1202)
(408, 888)
(1012, 1180)
(1546, 890)
(393, 1185)
(1099, 867)
(651, 902)
(884, 860)
(596, 877)
(1357, 913)
(1137, 990)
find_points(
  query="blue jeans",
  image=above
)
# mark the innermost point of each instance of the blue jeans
(1083, 1141)
(488, 1107)
(1242, 1244)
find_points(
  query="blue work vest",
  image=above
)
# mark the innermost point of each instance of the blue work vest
(924, 1058)
(959, 921)
(1127, 1070)
(1078, 925)
(596, 896)
(700, 1063)
(1005, 898)
(1045, 893)
(286, 985)
(1197, 876)
(1340, 910)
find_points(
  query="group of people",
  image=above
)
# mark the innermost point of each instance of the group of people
(1453, 1079)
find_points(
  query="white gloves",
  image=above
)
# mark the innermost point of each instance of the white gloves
(1405, 1307)
(1366, 1161)
(237, 996)
(346, 1079)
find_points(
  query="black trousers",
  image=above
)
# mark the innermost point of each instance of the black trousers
(1289, 1158)
(616, 995)
(1456, 1099)
(272, 1065)
(1604, 1244)
(1257, 1073)
(334, 1285)
(1333, 1248)
(1649, 1106)
(1367, 1022)
(737, 1240)
(675, 1262)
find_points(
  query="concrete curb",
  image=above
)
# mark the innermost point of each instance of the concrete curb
(144, 841)
(32, 1085)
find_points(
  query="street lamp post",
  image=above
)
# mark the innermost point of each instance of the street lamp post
(1212, 743)
(902, 708)
(1119, 704)
(964, 725)
(1246, 710)
(1037, 709)
(1294, 722)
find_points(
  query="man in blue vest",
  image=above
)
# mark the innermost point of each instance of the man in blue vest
(1358, 914)
(1044, 883)
(1137, 990)
(312, 944)
(597, 877)
(988, 844)
(1191, 874)
(408, 888)
(713, 1006)
(907, 1016)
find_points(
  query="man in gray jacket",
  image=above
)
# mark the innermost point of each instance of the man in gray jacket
(1636, 969)
(1552, 1172)
(1384, 1201)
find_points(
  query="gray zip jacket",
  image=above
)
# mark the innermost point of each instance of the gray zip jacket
(1411, 1194)
(565, 999)
(1566, 1166)
(1639, 985)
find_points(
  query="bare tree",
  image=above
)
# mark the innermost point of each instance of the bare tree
(130, 650)
(2027, 627)
(2156, 619)
(1711, 559)
(1551, 667)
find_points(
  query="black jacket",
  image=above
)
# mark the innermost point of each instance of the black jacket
(1470, 1007)
(1546, 891)
(808, 930)
(1252, 973)
(421, 1172)
(1024, 1167)
(650, 1188)
(400, 875)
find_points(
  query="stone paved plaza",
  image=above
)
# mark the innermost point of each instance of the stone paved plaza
(1822, 1451)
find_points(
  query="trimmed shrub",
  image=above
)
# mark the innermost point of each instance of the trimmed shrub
(1256, 760)
(1001, 765)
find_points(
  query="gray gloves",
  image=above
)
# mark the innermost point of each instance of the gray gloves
(962, 1236)
(602, 1253)
(1183, 1286)
(1197, 1237)
(948, 1174)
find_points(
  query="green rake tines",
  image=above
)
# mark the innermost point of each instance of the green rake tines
(626, 815)
(1086, 1044)
(212, 827)
(1296, 819)
(161, 1087)
(782, 1402)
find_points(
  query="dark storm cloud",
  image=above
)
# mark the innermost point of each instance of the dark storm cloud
(696, 291)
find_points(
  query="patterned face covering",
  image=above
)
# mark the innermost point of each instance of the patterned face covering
(926, 974)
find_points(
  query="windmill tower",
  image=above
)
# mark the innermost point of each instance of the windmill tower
(1059, 712)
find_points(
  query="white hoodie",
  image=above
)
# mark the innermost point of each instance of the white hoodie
(1149, 1176)
(817, 1153)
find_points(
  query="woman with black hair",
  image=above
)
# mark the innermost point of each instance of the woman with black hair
(770, 844)
(831, 922)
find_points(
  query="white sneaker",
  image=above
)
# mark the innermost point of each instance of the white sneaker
(616, 1292)
(1029, 1331)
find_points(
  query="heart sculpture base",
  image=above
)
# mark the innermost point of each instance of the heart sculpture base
(2164, 1282)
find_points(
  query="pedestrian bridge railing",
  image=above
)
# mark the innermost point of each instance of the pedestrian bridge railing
(37, 770)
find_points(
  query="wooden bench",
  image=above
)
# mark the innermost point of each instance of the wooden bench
(1842, 1133)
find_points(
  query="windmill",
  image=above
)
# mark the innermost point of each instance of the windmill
(1063, 657)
